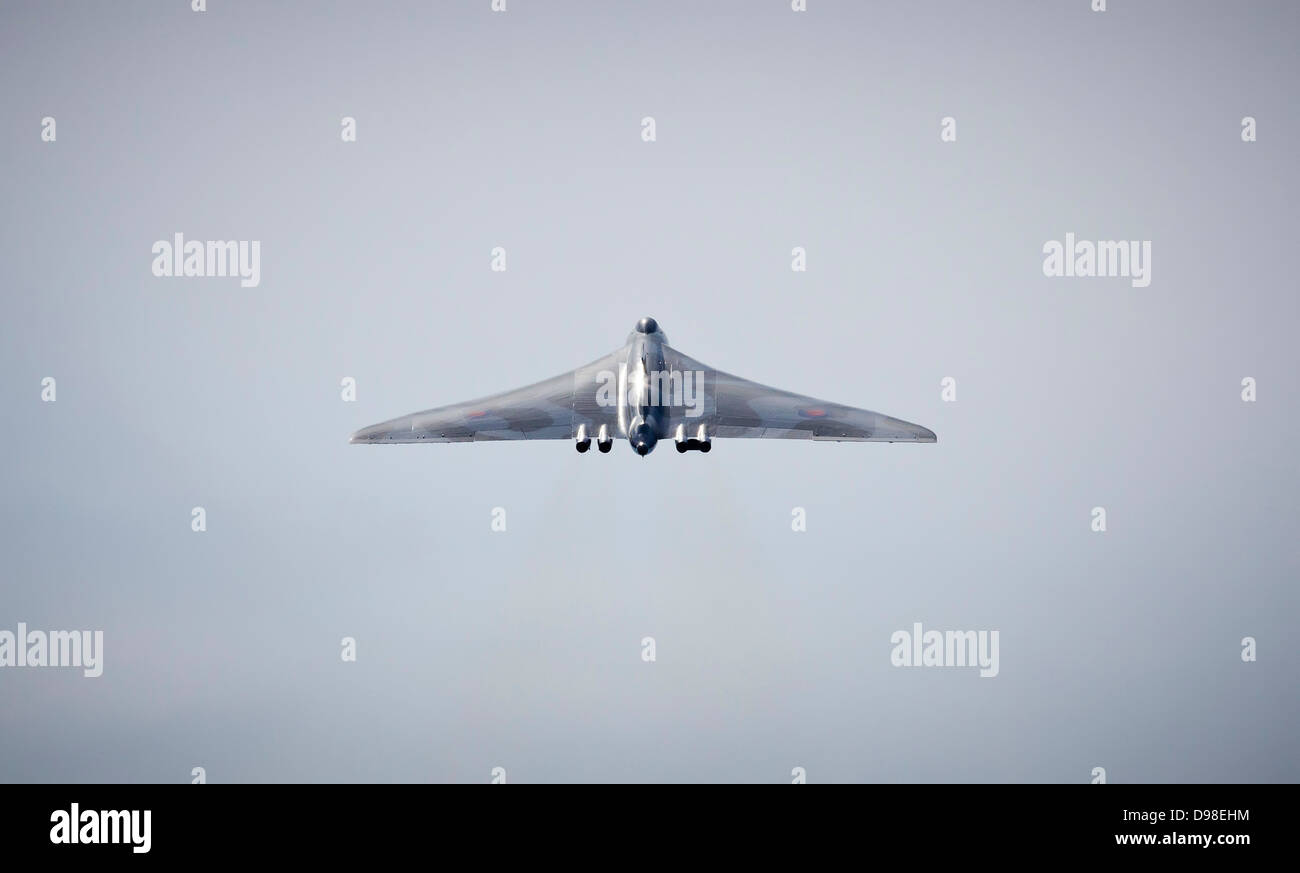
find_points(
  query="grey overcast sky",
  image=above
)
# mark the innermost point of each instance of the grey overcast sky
(775, 129)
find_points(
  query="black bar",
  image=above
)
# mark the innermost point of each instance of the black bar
(335, 821)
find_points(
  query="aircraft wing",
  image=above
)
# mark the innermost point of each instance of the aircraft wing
(548, 410)
(736, 407)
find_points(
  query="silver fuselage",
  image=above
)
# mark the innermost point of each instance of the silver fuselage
(643, 414)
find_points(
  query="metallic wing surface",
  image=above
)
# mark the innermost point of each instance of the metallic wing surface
(644, 392)
(548, 410)
(736, 407)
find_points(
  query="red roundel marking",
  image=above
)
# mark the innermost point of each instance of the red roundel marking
(812, 413)
(478, 413)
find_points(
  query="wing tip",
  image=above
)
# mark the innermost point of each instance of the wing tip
(365, 435)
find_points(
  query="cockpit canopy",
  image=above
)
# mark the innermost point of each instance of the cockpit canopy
(647, 329)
